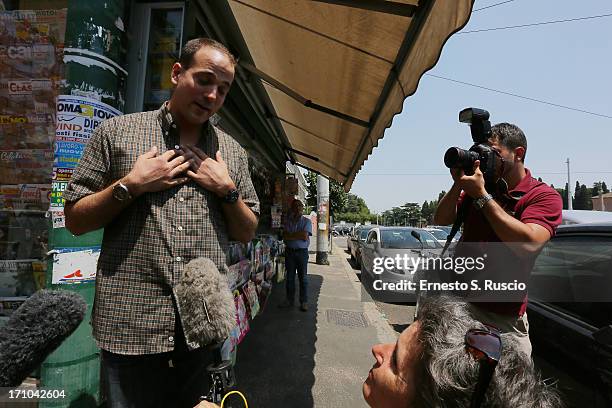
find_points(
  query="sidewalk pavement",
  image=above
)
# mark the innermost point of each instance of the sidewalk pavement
(318, 358)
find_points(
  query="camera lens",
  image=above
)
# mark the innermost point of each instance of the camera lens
(456, 157)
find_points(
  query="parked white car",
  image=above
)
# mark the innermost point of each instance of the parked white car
(441, 233)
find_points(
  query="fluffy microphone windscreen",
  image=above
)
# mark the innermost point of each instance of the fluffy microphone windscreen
(208, 312)
(35, 330)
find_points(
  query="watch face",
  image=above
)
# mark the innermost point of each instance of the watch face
(121, 193)
(232, 196)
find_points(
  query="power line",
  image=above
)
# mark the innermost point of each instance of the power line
(521, 97)
(535, 24)
(492, 5)
(447, 174)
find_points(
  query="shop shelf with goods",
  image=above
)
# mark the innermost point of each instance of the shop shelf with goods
(250, 275)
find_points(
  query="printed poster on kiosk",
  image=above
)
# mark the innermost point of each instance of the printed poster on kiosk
(77, 118)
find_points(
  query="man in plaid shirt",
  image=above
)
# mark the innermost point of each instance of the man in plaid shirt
(168, 186)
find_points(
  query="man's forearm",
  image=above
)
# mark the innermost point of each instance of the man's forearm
(506, 227)
(295, 236)
(446, 212)
(241, 221)
(93, 211)
(528, 238)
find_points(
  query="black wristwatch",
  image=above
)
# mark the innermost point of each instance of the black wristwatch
(232, 196)
(121, 192)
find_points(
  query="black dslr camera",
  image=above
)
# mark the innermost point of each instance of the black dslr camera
(490, 160)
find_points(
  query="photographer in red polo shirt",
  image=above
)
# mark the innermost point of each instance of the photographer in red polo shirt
(527, 213)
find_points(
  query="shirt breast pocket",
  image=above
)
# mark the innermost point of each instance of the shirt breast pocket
(123, 159)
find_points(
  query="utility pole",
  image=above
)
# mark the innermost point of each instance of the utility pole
(322, 219)
(569, 186)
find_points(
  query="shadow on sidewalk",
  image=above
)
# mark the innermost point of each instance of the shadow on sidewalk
(275, 362)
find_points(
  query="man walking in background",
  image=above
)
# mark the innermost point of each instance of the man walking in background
(296, 235)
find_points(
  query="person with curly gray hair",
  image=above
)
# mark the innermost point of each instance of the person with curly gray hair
(434, 364)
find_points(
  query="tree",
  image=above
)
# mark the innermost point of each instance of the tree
(577, 198)
(427, 211)
(355, 204)
(311, 189)
(337, 195)
(337, 198)
(599, 187)
(433, 206)
(411, 213)
(587, 203)
(596, 190)
(582, 198)
(563, 193)
(355, 210)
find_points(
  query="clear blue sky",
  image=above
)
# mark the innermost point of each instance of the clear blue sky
(568, 64)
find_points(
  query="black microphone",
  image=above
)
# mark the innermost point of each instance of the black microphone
(35, 330)
(208, 312)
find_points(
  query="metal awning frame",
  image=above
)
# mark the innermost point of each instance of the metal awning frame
(252, 80)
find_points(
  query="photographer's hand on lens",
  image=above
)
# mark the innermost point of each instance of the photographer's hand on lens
(456, 173)
(153, 172)
(474, 185)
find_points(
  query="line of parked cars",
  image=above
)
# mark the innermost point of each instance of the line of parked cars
(570, 306)
(355, 241)
(370, 242)
(570, 295)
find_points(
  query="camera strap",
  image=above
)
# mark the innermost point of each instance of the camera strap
(461, 214)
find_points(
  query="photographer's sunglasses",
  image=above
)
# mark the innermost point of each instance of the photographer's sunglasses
(485, 346)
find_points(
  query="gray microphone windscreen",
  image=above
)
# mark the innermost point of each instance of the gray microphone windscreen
(206, 304)
(35, 330)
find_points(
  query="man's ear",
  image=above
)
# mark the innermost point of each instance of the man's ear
(177, 69)
(519, 152)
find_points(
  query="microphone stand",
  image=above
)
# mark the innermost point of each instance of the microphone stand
(222, 378)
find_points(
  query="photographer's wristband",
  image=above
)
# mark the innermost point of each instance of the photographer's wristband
(479, 203)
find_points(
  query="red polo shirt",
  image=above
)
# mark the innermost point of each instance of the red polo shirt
(538, 204)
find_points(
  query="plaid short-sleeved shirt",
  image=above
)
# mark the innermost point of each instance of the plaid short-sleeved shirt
(146, 247)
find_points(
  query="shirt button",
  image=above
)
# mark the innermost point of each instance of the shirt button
(171, 339)
(180, 228)
(178, 259)
(181, 199)
(176, 147)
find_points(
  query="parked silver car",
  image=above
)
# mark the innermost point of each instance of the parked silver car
(585, 216)
(389, 242)
(355, 242)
